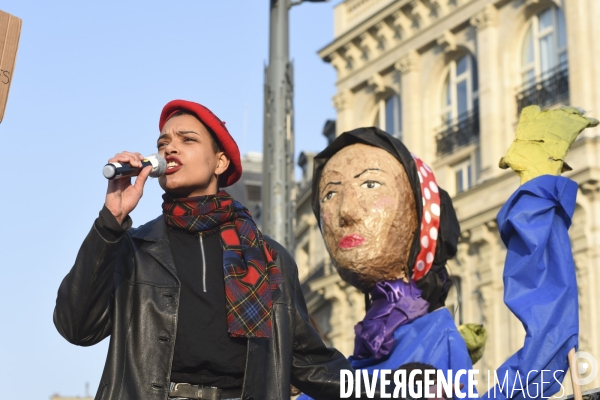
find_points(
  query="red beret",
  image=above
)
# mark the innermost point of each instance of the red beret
(234, 171)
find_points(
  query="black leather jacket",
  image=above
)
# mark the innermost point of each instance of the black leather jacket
(128, 289)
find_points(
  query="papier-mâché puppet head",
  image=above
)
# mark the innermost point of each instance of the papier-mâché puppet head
(367, 208)
(368, 200)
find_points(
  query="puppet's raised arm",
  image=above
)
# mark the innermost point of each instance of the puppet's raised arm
(540, 287)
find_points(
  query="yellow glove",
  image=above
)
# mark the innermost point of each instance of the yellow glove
(475, 337)
(542, 141)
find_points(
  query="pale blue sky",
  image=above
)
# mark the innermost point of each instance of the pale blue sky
(90, 81)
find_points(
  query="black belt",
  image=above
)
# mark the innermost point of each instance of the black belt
(203, 392)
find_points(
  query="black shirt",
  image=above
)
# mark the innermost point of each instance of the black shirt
(204, 351)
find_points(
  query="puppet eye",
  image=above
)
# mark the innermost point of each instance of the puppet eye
(328, 196)
(370, 185)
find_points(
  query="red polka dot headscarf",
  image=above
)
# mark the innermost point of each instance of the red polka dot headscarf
(436, 237)
(430, 221)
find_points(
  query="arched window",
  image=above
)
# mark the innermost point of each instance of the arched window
(545, 46)
(460, 96)
(389, 115)
(460, 106)
(544, 64)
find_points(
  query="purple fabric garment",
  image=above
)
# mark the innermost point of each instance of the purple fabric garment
(395, 303)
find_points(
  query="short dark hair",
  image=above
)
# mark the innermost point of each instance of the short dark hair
(214, 142)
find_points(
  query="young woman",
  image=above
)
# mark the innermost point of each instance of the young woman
(197, 303)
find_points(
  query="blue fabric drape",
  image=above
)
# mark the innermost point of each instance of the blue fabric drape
(431, 339)
(540, 287)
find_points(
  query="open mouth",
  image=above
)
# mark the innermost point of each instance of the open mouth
(173, 164)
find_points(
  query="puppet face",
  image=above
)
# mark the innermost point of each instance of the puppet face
(368, 215)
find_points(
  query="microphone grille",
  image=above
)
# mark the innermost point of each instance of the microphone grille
(161, 168)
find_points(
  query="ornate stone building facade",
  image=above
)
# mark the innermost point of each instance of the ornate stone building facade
(449, 77)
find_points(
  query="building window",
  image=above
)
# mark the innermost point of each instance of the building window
(389, 115)
(461, 93)
(544, 64)
(463, 173)
(545, 46)
(460, 106)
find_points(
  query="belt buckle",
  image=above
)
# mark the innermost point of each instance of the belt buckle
(175, 387)
(202, 392)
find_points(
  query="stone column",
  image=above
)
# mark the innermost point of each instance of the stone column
(486, 247)
(594, 66)
(490, 92)
(339, 314)
(343, 311)
(462, 267)
(488, 361)
(583, 48)
(412, 134)
(344, 117)
(589, 302)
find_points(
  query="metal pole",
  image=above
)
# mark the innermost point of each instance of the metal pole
(278, 187)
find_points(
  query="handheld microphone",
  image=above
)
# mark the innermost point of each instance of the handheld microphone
(125, 170)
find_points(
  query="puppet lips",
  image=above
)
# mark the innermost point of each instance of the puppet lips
(351, 241)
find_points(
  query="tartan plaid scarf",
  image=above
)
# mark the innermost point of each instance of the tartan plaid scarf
(251, 275)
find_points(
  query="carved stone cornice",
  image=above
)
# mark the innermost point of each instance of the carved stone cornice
(465, 236)
(376, 84)
(591, 189)
(408, 63)
(340, 101)
(378, 33)
(418, 11)
(398, 23)
(363, 40)
(366, 44)
(351, 54)
(485, 233)
(337, 60)
(491, 225)
(447, 42)
(485, 18)
(438, 7)
(462, 254)
(384, 30)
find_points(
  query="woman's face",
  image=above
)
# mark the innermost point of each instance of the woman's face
(193, 165)
(368, 215)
